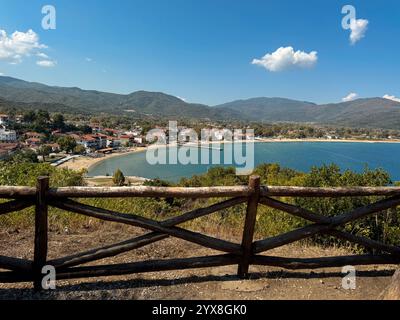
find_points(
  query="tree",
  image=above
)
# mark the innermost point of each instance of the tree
(41, 121)
(44, 151)
(85, 129)
(26, 156)
(79, 149)
(43, 115)
(118, 178)
(67, 144)
(58, 121)
(29, 116)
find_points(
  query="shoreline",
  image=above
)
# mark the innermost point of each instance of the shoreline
(85, 162)
(327, 140)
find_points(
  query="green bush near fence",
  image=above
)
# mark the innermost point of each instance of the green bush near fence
(383, 227)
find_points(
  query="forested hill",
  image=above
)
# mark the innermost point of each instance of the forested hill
(371, 112)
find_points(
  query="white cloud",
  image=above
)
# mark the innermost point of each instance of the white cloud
(389, 97)
(350, 97)
(88, 59)
(358, 29)
(286, 58)
(47, 63)
(19, 45)
(42, 55)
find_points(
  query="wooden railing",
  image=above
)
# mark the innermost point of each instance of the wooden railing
(244, 254)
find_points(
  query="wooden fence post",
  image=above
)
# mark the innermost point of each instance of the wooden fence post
(41, 226)
(248, 232)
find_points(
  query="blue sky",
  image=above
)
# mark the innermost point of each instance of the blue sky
(203, 50)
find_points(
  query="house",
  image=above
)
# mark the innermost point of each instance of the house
(8, 135)
(112, 132)
(19, 118)
(7, 149)
(135, 132)
(113, 142)
(101, 139)
(89, 142)
(224, 134)
(126, 139)
(4, 119)
(33, 142)
(55, 147)
(138, 140)
(96, 127)
(74, 136)
(56, 132)
(34, 135)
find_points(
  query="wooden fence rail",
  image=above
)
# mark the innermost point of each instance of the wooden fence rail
(244, 254)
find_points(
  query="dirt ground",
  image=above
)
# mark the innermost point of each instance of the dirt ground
(266, 283)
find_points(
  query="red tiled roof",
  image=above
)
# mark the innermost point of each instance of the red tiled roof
(88, 138)
(53, 145)
(34, 134)
(8, 146)
(126, 137)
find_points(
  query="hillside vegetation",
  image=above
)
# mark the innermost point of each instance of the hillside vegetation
(383, 227)
(368, 113)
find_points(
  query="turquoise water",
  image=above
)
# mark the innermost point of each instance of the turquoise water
(296, 155)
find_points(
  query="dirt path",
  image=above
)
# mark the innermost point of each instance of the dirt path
(214, 283)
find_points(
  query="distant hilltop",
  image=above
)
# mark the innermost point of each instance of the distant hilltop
(369, 112)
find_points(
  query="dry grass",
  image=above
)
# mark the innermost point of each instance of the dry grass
(212, 283)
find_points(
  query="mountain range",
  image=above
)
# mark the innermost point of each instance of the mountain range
(369, 112)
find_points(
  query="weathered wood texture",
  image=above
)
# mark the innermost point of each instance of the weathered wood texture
(326, 262)
(130, 268)
(14, 206)
(249, 225)
(152, 192)
(296, 211)
(138, 242)
(138, 221)
(308, 215)
(243, 255)
(334, 192)
(206, 192)
(17, 192)
(337, 221)
(15, 264)
(41, 231)
(149, 266)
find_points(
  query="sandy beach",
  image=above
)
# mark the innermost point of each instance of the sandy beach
(86, 162)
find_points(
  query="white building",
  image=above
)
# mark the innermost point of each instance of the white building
(3, 119)
(89, 142)
(138, 140)
(133, 133)
(8, 135)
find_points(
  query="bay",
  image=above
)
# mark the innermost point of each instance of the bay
(296, 155)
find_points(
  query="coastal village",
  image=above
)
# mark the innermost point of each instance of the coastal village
(59, 145)
(58, 141)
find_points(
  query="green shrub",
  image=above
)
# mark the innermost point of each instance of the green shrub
(270, 222)
(118, 178)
